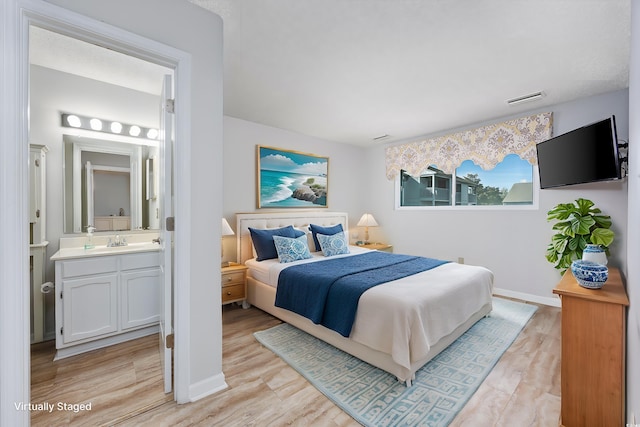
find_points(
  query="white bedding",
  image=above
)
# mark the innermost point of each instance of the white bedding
(268, 271)
(405, 317)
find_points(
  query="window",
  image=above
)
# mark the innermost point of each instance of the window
(432, 188)
(509, 183)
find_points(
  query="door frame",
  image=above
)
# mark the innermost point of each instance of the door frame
(17, 16)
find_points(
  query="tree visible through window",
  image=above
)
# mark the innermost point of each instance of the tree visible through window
(509, 183)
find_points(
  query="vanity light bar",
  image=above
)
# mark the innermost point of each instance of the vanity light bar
(100, 125)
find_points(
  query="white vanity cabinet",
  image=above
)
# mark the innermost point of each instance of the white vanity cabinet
(89, 307)
(104, 300)
(140, 290)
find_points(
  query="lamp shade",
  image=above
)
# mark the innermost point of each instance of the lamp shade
(367, 220)
(226, 228)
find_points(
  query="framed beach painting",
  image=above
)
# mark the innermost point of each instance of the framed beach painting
(290, 179)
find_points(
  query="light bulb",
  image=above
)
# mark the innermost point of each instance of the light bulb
(152, 133)
(74, 121)
(96, 124)
(116, 127)
(134, 130)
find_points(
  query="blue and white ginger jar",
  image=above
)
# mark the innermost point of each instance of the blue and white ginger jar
(588, 274)
(594, 253)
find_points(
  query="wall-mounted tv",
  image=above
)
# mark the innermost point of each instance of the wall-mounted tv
(586, 154)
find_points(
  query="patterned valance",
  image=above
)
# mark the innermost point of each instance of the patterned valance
(486, 146)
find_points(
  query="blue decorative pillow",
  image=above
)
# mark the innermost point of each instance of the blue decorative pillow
(263, 240)
(291, 249)
(328, 231)
(335, 244)
(297, 232)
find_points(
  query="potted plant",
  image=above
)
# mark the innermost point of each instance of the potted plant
(579, 223)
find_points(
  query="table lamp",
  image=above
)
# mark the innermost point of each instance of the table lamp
(226, 231)
(367, 220)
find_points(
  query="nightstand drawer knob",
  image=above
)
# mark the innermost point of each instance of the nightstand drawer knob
(228, 293)
(229, 279)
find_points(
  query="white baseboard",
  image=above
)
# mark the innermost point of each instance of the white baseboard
(207, 387)
(551, 301)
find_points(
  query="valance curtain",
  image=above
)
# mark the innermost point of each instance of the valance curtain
(486, 146)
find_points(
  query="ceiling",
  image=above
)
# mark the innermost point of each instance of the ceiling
(353, 70)
(69, 55)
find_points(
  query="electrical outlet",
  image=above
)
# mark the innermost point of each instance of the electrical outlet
(460, 260)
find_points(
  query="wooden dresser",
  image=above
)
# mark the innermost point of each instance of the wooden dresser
(593, 352)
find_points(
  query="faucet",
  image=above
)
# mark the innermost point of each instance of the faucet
(117, 241)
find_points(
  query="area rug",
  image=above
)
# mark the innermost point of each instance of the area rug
(376, 398)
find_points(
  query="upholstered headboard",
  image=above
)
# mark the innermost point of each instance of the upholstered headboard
(298, 219)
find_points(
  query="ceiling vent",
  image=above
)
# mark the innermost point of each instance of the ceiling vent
(525, 98)
(380, 138)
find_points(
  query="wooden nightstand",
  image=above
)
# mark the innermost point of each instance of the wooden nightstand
(378, 246)
(234, 284)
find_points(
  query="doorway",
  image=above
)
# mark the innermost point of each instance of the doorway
(56, 73)
(16, 16)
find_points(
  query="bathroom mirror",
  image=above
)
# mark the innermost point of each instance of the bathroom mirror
(109, 185)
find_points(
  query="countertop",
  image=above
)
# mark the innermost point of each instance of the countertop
(81, 252)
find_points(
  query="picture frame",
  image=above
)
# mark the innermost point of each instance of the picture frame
(291, 179)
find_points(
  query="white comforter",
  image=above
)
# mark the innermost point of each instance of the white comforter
(405, 317)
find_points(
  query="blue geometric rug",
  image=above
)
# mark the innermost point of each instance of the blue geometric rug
(376, 398)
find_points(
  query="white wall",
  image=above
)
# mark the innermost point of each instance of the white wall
(511, 243)
(190, 29)
(633, 247)
(348, 172)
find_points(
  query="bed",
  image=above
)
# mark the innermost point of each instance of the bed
(399, 325)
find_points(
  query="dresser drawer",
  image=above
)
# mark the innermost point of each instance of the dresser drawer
(233, 278)
(233, 292)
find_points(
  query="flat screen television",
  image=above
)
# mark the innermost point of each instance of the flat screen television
(586, 154)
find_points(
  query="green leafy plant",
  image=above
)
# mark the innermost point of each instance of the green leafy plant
(579, 223)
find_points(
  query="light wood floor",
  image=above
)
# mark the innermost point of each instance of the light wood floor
(125, 387)
(119, 381)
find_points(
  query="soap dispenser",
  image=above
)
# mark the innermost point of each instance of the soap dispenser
(89, 243)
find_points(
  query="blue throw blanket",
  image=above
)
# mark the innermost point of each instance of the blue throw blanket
(327, 292)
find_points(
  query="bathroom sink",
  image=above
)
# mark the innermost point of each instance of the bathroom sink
(131, 247)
